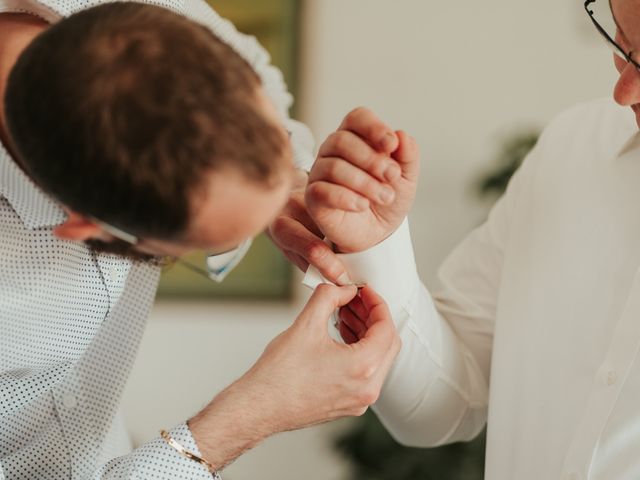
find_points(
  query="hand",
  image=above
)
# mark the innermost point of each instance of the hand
(307, 378)
(301, 241)
(355, 317)
(363, 182)
(304, 377)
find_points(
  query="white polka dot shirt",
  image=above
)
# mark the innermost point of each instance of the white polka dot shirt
(71, 320)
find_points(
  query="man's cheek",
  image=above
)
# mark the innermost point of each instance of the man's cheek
(619, 63)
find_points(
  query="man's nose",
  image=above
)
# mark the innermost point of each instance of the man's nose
(627, 90)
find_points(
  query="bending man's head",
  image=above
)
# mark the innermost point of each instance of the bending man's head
(141, 119)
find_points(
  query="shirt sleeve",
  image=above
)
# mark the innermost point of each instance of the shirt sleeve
(273, 82)
(157, 460)
(437, 390)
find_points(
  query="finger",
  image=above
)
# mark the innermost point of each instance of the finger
(297, 209)
(408, 156)
(380, 334)
(358, 308)
(297, 260)
(325, 299)
(347, 335)
(370, 299)
(350, 147)
(330, 195)
(364, 123)
(356, 325)
(292, 236)
(341, 172)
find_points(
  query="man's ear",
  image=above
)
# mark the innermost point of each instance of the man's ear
(78, 228)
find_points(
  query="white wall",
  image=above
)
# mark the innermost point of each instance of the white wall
(457, 75)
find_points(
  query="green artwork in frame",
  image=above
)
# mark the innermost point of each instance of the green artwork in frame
(264, 274)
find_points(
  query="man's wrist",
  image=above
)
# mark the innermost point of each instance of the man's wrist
(230, 425)
(349, 251)
(388, 267)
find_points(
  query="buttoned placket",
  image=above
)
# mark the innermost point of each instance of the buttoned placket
(607, 385)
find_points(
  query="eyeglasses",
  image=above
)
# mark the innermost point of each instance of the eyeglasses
(602, 17)
(218, 266)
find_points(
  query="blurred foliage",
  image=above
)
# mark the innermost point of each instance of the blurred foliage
(373, 453)
(511, 155)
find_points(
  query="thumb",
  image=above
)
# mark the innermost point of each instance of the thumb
(408, 156)
(324, 301)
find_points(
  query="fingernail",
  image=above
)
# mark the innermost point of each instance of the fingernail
(392, 172)
(386, 195)
(344, 279)
(388, 141)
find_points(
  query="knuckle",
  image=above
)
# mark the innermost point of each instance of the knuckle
(340, 140)
(360, 411)
(325, 289)
(367, 397)
(279, 226)
(369, 185)
(333, 168)
(314, 192)
(316, 251)
(358, 112)
(363, 371)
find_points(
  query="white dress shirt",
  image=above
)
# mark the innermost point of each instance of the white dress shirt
(537, 325)
(71, 320)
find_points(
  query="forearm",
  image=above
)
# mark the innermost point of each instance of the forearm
(435, 392)
(234, 422)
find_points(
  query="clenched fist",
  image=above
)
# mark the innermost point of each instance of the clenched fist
(363, 183)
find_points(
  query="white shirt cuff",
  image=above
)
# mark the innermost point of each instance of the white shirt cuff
(389, 268)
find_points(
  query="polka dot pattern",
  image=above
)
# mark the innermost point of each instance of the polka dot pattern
(71, 321)
(70, 325)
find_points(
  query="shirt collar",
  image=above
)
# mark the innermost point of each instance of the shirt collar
(35, 208)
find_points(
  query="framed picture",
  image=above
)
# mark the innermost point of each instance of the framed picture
(264, 274)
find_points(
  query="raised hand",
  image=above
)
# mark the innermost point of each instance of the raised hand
(363, 183)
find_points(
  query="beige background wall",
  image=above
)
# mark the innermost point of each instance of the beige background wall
(458, 76)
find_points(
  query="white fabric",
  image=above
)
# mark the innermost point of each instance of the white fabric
(71, 321)
(539, 312)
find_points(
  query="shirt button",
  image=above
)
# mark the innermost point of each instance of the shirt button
(611, 378)
(70, 401)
